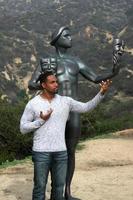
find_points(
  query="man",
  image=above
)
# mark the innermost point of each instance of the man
(67, 69)
(46, 115)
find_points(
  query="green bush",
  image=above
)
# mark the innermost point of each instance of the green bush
(107, 118)
(13, 145)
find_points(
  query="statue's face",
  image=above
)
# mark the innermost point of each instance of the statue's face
(65, 39)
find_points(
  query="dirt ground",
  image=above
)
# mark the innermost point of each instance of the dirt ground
(104, 171)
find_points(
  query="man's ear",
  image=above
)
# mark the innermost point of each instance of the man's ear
(43, 85)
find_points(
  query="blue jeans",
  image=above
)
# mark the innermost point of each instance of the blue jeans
(43, 163)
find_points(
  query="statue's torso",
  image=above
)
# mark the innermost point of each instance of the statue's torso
(67, 73)
(67, 70)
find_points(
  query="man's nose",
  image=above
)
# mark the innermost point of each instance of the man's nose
(56, 84)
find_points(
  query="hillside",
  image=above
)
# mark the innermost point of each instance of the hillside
(26, 27)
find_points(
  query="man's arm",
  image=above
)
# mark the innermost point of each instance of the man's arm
(27, 122)
(80, 107)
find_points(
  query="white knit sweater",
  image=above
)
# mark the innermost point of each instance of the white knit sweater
(49, 136)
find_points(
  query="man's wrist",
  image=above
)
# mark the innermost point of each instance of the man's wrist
(40, 122)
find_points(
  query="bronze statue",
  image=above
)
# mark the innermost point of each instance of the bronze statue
(67, 69)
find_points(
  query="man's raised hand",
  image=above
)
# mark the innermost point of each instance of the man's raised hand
(104, 86)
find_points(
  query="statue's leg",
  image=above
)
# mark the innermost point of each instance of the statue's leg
(72, 135)
(72, 138)
(51, 195)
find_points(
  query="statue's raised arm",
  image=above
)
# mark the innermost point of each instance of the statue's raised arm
(89, 74)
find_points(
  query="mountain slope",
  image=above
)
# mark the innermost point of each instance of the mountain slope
(25, 30)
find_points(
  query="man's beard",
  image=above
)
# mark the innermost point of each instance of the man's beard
(52, 92)
(56, 91)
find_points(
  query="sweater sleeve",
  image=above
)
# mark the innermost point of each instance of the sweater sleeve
(27, 122)
(80, 107)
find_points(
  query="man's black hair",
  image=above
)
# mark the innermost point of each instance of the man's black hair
(44, 75)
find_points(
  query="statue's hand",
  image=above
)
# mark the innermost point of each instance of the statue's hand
(33, 85)
(116, 59)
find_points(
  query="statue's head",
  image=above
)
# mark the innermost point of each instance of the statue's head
(62, 38)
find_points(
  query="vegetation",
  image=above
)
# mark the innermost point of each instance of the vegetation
(13, 145)
(105, 119)
(15, 162)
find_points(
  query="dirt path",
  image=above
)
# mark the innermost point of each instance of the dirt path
(104, 171)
